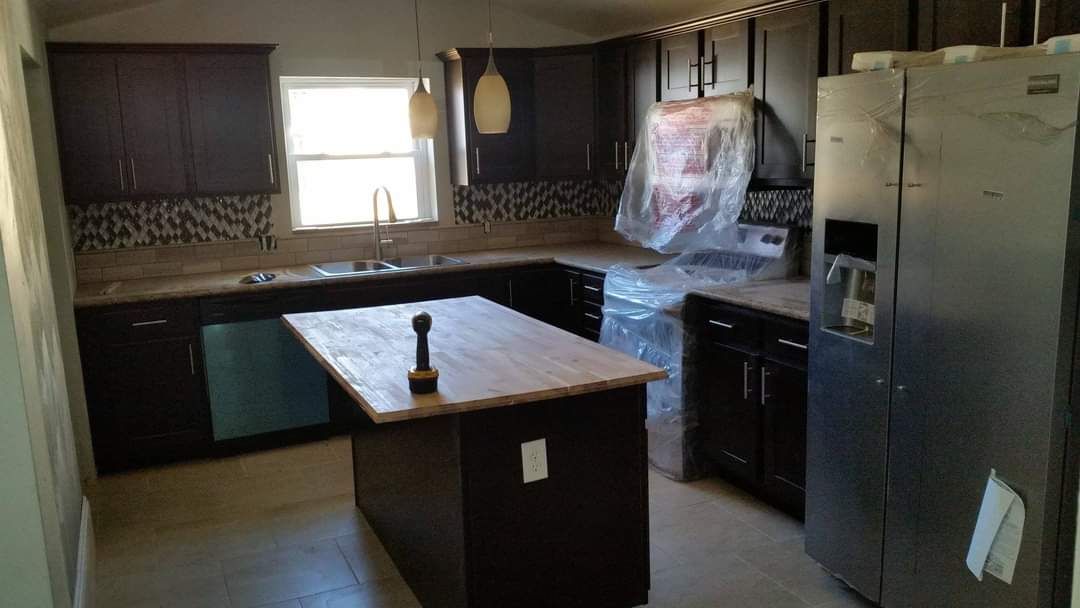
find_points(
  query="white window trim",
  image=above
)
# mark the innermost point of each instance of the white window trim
(423, 154)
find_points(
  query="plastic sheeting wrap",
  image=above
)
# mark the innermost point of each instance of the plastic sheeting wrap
(684, 192)
(686, 183)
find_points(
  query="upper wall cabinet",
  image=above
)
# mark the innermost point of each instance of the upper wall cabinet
(1058, 18)
(476, 158)
(787, 46)
(139, 121)
(614, 118)
(944, 23)
(680, 67)
(564, 83)
(725, 65)
(232, 134)
(856, 26)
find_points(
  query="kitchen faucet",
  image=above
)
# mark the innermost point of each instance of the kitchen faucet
(380, 243)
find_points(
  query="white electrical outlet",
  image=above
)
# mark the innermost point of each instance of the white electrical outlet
(534, 460)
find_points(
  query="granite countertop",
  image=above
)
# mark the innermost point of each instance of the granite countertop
(596, 257)
(490, 357)
(785, 297)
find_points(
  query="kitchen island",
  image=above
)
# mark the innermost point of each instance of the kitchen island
(441, 477)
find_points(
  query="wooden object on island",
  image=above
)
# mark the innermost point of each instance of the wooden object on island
(490, 356)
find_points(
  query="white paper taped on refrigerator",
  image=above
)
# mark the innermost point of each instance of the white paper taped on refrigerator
(995, 544)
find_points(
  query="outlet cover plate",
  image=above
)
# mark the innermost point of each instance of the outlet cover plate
(534, 466)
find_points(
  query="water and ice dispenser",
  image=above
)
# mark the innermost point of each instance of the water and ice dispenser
(850, 279)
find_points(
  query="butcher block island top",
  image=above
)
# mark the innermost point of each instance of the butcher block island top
(488, 356)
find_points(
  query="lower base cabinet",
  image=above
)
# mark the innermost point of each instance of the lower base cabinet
(751, 393)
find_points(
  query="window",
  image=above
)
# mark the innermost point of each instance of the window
(345, 137)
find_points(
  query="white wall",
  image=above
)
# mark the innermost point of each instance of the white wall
(42, 500)
(329, 38)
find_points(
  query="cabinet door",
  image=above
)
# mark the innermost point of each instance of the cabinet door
(87, 111)
(865, 25)
(783, 399)
(785, 85)
(646, 89)
(232, 134)
(565, 121)
(680, 75)
(951, 22)
(549, 295)
(730, 415)
(146, 402)
(614, 102)
(504, 157)
(1058, 18)
(726, 67)
(151, 94)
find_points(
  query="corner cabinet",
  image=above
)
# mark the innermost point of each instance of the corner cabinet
(476, 158)
(752, 401)
(143, 121)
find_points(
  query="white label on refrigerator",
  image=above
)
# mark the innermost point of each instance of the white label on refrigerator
(995, 544)
(858, 310)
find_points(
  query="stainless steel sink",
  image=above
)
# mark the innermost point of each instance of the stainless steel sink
(336, 269)
(422, 261)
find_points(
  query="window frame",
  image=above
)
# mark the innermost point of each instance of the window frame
(422, 152)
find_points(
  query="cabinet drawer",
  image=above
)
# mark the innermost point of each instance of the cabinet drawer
(592, 288)
(786, 339)
(592, 317)
(141, 323)
(731, 325)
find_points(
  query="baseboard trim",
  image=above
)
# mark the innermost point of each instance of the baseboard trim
(84, 565)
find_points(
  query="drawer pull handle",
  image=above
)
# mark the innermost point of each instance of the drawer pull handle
(148, 323)
(591, 288)
(721, 324)
(592, 316)
(791, 344)
(745, 380)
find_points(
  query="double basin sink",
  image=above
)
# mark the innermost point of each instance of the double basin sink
(337, 269)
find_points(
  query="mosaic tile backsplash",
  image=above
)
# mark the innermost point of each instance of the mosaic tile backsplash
(171, 221)
(790, 207)
(517, 201)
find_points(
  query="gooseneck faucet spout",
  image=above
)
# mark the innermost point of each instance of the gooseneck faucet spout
(391, 217)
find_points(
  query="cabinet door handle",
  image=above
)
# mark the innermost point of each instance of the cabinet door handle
(191, 358)
(270, 167)
(477, 150)
(625, 156)
(591, 288)
(592, 316)
(510, 284)
(616, 156)
(745, 380)
(588, 158)
(712, 71)
(134, 180)
(120, 165)
(791, 344)
(571, 280)
(690, 68)
(721, 324)
(148, 323)
(763, 375)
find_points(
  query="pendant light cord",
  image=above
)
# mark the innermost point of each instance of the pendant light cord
(491, 27)
(419, 64)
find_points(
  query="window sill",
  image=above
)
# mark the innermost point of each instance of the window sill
(313, 230)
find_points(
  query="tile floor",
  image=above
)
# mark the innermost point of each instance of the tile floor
(278, 529)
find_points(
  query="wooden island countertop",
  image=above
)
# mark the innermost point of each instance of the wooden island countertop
(488, 356)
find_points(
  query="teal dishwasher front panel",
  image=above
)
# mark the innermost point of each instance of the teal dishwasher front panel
(261, 380)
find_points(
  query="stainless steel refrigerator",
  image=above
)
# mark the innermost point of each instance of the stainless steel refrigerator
(946, 259)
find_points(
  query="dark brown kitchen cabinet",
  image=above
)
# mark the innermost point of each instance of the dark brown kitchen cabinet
(145, 388)
(1058, 18)
(730, 416)
(86, 102)
(752, 392)
(230, 114)
(645, 87)
(565, 122)
(783, 391)
(477, 158)
(551, 295)
(680, 67)
(614, 100)
(151, 104)
(856, 26)
(787, 46)
(725, 66)
(150, 120)
(944, 23)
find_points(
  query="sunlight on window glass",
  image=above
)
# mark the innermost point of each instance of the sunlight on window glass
(339, 191)
(349, 120)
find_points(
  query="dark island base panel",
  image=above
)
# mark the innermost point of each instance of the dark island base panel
(446, 498)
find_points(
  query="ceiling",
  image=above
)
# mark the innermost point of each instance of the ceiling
(594, 18)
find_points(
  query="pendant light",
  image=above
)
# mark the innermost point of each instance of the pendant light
(423, 115)
(491, 101)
